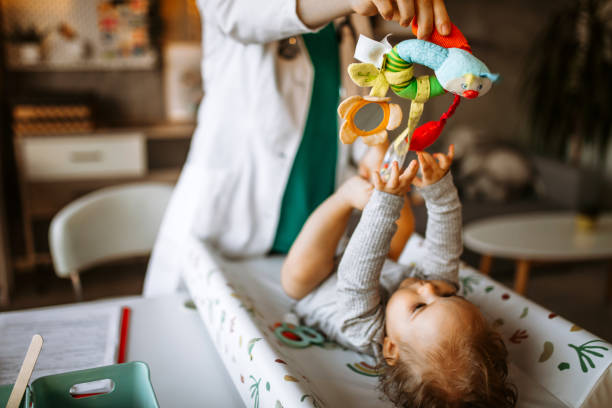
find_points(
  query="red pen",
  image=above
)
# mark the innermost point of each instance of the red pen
(125, 322)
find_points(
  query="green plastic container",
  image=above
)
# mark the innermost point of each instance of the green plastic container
(5, 392)
(131, 388)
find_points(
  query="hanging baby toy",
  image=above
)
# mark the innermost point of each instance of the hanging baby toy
(456, 70)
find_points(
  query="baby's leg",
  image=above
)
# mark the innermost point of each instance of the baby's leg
(311, 257)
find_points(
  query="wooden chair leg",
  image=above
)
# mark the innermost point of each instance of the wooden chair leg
(485, 264)
(521, 276)
(608, 295)
(76, 285)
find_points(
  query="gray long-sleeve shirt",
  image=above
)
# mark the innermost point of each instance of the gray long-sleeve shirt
(349, 306)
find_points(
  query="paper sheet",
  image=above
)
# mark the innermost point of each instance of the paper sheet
(74, 339)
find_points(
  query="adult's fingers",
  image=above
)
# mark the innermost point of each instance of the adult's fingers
(364, 8)
(441, 18)
(385, 8)
(417, 182)
(406, 11)
(396, 13)
(425, 17)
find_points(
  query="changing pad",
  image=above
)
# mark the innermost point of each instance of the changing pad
(554, 363)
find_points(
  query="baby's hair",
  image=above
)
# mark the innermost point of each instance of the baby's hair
(462, 371)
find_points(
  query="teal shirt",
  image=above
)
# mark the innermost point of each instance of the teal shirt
(312, 177)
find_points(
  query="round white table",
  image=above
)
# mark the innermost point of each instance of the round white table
(539, 237)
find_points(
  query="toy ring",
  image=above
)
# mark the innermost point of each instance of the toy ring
(298, 336)
(392, 117)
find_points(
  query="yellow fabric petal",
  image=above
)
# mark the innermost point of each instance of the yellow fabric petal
(363, 74)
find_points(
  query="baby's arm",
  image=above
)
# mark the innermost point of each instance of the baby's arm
(358, 287)
(311, 257)
(370, 164)
(443, 241)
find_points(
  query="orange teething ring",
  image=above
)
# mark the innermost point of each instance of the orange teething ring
(350, 117)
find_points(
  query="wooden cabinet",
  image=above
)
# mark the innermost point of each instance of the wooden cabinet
(55, 170)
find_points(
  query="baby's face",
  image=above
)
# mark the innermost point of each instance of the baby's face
(421, 313)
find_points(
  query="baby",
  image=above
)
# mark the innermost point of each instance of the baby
(434, 347)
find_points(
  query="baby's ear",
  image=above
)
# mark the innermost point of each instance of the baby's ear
(390, 351)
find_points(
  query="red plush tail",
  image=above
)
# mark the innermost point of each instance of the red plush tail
(427, 133)
(455, 39)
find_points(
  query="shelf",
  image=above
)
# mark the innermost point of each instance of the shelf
(170, 131)
(162, 131)
(147, 62)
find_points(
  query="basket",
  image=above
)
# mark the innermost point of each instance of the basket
(130, 387)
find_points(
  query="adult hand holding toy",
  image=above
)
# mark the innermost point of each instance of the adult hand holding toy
(429, 14)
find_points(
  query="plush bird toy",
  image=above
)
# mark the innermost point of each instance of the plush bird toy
(456, 70)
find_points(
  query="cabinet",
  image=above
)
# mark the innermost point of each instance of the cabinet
(55, 170)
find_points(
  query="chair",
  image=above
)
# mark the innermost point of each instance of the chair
(108, 224)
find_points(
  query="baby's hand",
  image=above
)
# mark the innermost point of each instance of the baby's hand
(432, 171)
(371, 161)
(397, 184)
(356, 191)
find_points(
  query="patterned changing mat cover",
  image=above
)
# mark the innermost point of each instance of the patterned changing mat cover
(554, 363)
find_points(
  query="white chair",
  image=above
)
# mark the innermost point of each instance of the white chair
(107, 224)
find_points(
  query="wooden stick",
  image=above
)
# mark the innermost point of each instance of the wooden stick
(25, 372)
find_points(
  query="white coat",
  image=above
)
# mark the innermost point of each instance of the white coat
(250, 124)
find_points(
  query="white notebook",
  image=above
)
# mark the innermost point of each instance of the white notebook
(75, 338)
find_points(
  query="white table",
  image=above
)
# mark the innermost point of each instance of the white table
(539, 237)
(185, 368)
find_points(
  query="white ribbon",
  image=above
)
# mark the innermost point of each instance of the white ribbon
(371, 51)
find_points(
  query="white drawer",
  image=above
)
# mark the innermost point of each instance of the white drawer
(83, 157)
